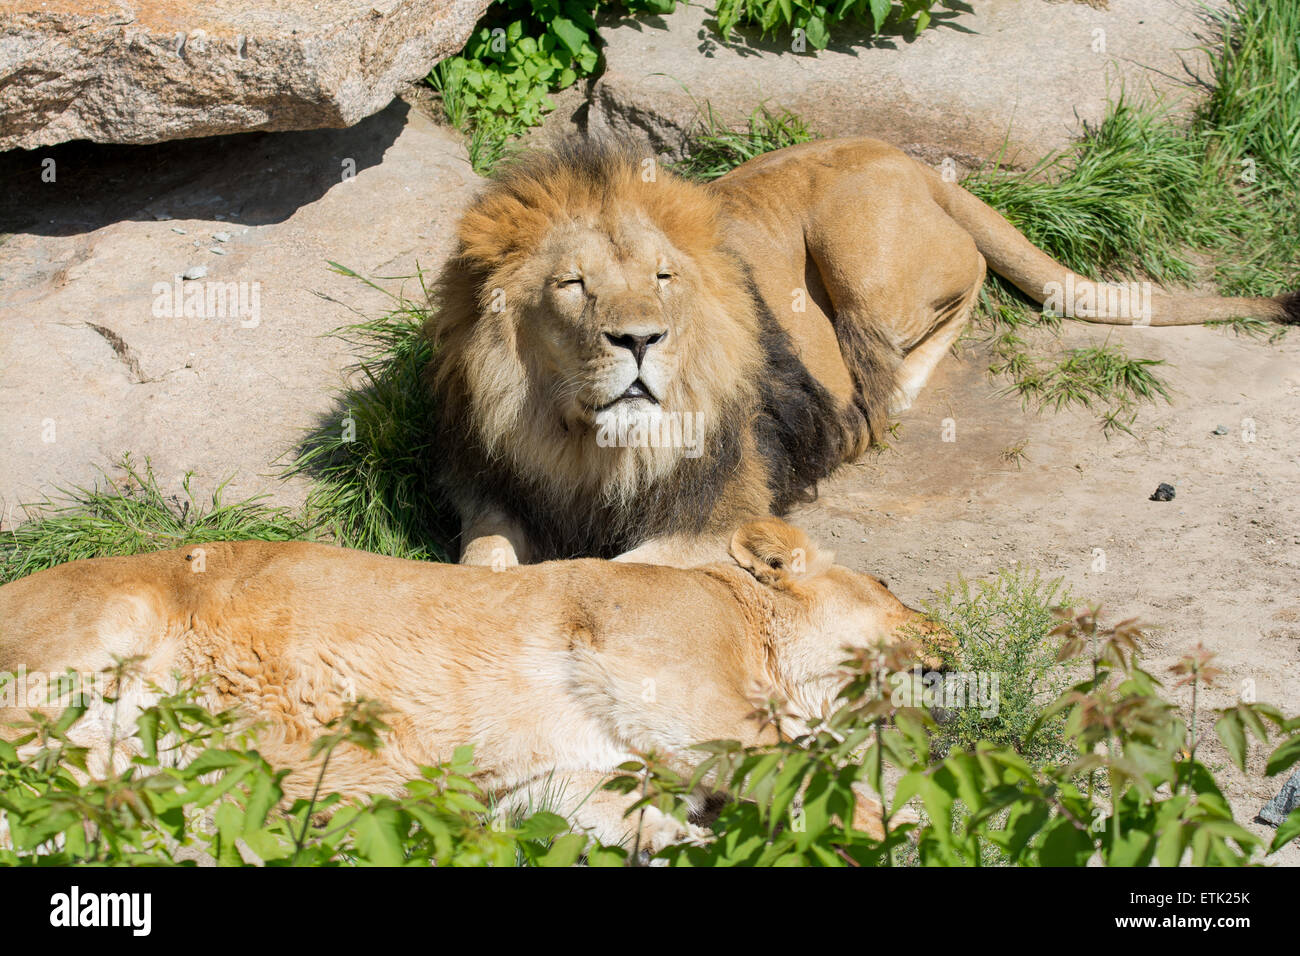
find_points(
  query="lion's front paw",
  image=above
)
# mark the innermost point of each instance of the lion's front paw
(659, 830)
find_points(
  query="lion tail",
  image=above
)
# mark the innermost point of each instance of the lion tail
(1052, 285)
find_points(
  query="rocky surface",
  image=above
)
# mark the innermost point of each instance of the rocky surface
(144, 71)
(100, 353)
(1024, 73)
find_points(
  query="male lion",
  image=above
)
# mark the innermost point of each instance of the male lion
(626, 360)
(557, 672)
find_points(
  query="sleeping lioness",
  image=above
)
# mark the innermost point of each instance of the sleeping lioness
(556, 672)
(630, 362)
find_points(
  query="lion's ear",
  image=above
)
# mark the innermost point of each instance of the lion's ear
(773, 551)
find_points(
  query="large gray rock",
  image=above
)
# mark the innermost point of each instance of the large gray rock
(143, 71)
(1027, 73)
(100, 357)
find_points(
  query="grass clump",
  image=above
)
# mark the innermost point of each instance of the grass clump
(1140, 192)
(1103, 377)
(1251, 126)
(1114, 203)
(372, 464)
(716, 148)
(132, 515)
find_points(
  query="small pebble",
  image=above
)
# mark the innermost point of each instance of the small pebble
(178, 230)
(1164, 492)
(195, 272)
(225, 237)
(217, 252)
(1221, 430)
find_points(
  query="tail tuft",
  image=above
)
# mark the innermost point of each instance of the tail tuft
(1290, 308)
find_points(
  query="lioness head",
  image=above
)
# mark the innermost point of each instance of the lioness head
(590, 294)
(828, 609)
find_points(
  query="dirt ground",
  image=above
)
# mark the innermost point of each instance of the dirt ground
(1216, 565)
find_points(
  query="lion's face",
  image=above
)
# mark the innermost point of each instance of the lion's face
(841, 608)
(610, 322)
(579, 300)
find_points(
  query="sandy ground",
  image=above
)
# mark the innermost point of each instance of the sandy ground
(1216, 565)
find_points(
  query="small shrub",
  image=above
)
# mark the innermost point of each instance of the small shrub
(1003, 627)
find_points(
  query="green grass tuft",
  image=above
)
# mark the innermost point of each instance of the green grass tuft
(1003, 626)
(372, 463)
(1251, 126)
(132, 515)
(716, 149)
(1113, 203)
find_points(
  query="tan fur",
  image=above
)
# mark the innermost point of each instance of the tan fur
(869, 262)
(556, 672)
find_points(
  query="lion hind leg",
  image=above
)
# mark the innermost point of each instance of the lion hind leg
(902, 276)
(921, 361)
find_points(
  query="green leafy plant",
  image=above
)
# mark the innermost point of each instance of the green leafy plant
(1127, 789)
(815, 20)
(1132, 791)
(520, 53)
(524, 50)
(196, 788)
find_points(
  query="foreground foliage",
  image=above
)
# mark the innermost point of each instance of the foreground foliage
(1131, 792)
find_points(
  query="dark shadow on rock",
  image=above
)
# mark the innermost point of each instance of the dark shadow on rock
(246, 179)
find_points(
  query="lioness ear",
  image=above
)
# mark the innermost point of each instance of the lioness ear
(773, 551)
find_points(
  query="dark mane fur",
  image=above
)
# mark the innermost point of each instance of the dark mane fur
(560, 524)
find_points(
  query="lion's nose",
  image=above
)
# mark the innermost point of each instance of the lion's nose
(636, 344)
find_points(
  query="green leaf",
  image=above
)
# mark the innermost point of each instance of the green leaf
(816, 32)
(570, 35)
(1065, 845)
(379, 834)
(1283, 757)
(1233, 735)
(607, 856)
(268, 846)
(214, 759)
(229, 820)
(1287, 831)
(542, 826)
(565, 851)
(879, 12)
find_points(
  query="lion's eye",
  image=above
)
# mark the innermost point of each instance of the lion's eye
(665, 276)
(569, 282)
